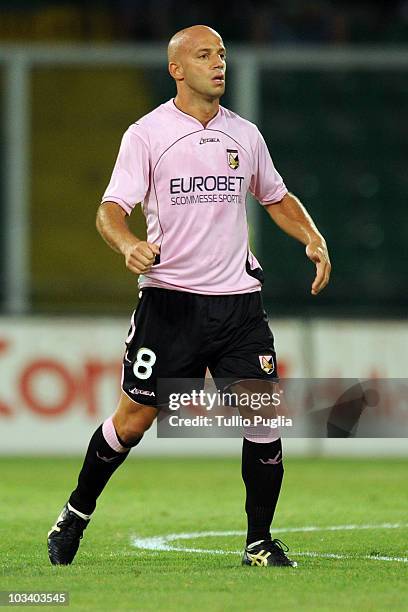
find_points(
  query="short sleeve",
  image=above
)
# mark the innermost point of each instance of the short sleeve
(266, 185)
(129, 182)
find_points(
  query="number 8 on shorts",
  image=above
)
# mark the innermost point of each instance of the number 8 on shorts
(145, 360)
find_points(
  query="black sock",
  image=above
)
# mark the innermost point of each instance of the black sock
(262, 473)
(101, 460)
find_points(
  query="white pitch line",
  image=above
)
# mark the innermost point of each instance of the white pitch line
(202, 534)
(336, 556)
(162, 543)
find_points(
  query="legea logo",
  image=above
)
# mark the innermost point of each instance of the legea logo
(204, 140)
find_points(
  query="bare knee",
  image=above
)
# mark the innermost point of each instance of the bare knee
(131, 420)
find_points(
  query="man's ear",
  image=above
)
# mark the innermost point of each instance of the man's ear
(176, 71)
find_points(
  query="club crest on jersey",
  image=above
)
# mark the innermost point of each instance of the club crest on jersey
(233, 159)
(267, 363)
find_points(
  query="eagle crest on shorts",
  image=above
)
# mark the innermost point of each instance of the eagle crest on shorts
(233, 159)
(267, 364)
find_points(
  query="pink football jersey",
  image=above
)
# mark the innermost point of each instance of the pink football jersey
(192, 183)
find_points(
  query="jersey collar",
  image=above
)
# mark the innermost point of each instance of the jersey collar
(171, 105)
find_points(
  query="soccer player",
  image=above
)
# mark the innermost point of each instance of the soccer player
(190, 163)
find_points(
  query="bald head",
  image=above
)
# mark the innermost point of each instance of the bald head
(185, 39)
(197, 64)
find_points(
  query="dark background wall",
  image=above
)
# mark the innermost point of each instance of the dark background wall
(340, 140)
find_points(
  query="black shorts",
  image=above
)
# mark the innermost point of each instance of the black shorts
(178, 335)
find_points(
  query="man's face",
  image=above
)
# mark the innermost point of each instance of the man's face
(203, 66)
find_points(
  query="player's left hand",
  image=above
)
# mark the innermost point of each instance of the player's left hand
(318, 253)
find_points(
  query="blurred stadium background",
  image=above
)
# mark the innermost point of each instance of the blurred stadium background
(327, 84)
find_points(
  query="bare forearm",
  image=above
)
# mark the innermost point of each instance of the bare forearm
(112, 226)
(292, 217)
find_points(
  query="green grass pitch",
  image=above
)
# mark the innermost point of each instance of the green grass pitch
(157, 497)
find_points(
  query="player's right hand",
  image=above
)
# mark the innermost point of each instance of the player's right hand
(140, 257)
